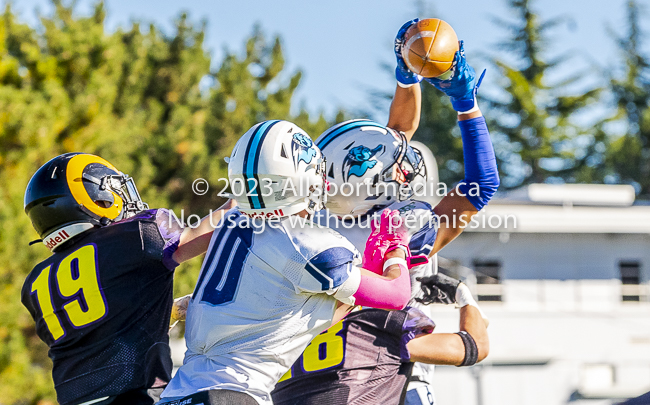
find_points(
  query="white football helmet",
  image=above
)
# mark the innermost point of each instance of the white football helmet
(276, 170)
(369, 165)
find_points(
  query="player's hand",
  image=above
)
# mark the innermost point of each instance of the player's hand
(402, 73)
(415, 324)
(462, 86)
(179, 310)
(438, 289)
(391, 234)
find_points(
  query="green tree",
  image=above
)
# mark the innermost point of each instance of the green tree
(628, 157)
(532, 120)
(251, 89)
(134, 97)
(131, 97)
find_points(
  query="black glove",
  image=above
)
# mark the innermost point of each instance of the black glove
(438, 289)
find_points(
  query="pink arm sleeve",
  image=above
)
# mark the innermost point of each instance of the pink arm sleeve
(384, 294)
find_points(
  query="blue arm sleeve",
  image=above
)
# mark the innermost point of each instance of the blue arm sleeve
(481, 173)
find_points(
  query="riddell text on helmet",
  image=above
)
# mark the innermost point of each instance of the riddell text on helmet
(275, 214)
(54, 240)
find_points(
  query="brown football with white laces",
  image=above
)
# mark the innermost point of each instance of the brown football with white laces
(429, 47)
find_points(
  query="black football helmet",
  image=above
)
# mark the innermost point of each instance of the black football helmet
(75, 192)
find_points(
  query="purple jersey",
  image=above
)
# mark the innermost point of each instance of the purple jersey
(356, 362)
(102, 304)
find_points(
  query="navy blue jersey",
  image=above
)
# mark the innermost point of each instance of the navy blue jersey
(357, 361)
(102, 305)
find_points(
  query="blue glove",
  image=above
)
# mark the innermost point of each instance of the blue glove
(462, 86)
(415, 324)
(404, 76)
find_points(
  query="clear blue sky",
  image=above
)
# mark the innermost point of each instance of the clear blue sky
(340, 44)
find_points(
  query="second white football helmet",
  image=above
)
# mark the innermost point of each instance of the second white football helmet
(368, 165)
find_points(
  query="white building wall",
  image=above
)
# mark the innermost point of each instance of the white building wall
(552, 358)
(531, 256)
(562, 335)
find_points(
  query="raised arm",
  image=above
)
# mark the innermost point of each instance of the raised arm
(481, 174)
(406, 105)
(405, 110)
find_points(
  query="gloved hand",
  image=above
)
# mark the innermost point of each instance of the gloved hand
(391, 234)
(179, 310)
(441, 289)
(415, 324)
(404, 76)
(438, 289)
(462, 86)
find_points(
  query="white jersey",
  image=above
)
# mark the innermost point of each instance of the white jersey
(263, 294)
(422, 225)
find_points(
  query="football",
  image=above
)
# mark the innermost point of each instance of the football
(429, 47)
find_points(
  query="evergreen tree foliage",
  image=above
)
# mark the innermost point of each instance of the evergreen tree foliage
(531, 121)
(628, 157)
(154, 105)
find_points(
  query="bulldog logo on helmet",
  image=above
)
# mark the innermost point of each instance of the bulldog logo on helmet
(302, 149)
(359, 159)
